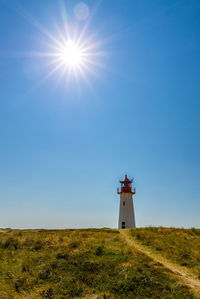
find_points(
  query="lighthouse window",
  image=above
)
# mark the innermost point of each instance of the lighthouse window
(123, 203)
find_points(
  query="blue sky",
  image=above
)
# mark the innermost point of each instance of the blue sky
(66, 143)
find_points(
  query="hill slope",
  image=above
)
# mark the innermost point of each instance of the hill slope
(87, 263)
(159, 243)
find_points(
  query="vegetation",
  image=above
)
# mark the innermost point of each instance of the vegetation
(181, 246)
(92, 263)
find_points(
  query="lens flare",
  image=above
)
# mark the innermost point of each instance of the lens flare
(81, 12)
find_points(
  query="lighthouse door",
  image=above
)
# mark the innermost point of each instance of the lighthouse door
(123, 224)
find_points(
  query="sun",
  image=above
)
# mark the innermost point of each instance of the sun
(74, 56)
(69, 52)
(71, 55)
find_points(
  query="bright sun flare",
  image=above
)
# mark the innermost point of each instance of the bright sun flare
(71, 55)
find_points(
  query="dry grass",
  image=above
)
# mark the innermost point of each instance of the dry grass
(93, 263)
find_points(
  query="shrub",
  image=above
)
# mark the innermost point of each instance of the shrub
(70, 288)
(62, 256)
(47, 294)
(138, 236)
(26, 266)
(73, 245)
(44, 274)
(99, 251)
(37, 245)
(10, 243)
(19, 283)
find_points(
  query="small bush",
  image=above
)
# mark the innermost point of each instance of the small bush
(70, 288)
(37, 245)
(138, 236)
(26, 266)
(91, 267)
(44, 274)
(19, 283)
(63, 256)
(73, 245)
(47, 294)
(99, 251)
(185, 256)
(10, 243)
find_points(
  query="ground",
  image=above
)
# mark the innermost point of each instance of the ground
(100, 263)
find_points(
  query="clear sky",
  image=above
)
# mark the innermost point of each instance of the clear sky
(68, 137)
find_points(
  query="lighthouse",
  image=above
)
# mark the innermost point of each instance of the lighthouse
(126, 209)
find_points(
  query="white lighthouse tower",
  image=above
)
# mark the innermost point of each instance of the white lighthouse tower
(126, 209)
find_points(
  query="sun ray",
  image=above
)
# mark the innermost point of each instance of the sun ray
(37, 24)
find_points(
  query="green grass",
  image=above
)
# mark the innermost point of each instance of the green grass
(79, 263)
(181, 246)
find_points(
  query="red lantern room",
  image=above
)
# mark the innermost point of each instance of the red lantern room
(126, 186)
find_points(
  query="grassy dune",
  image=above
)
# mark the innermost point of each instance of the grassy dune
(90, 263)
(181, 246)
